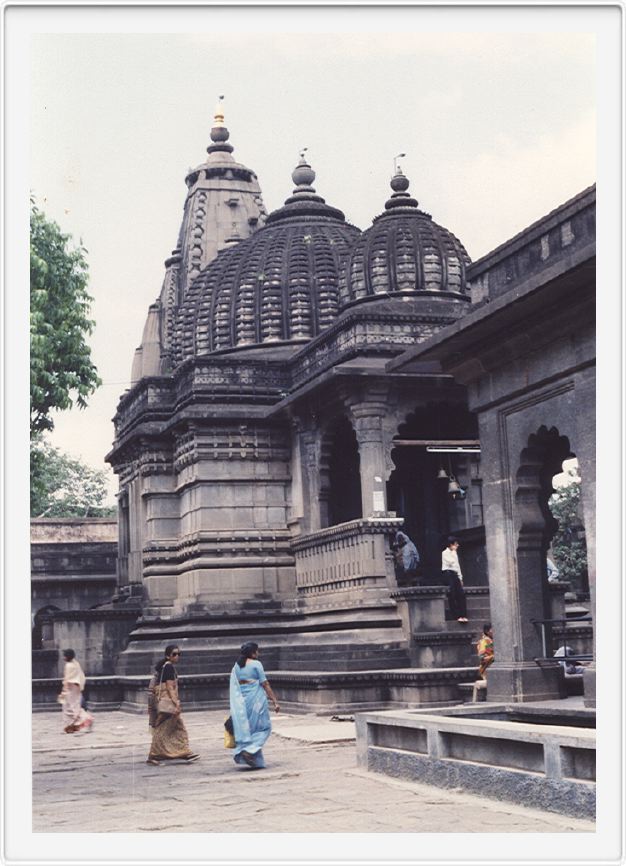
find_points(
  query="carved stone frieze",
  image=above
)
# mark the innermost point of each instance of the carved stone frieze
(260, 545)
(379, 334)
(240, 442)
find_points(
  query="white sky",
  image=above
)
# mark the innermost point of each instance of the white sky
(499, 128)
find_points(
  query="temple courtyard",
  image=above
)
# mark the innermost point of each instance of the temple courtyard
(99, 782)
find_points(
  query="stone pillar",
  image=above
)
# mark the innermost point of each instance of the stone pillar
(368, 419)
(123, 541)
(556, 591)
(421, 608)
(586, 449)
(515, 584)
(309, 444)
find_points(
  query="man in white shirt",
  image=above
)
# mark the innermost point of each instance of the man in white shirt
(451, 572)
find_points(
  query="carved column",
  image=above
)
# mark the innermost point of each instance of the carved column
(586, 450)
(515, 536)
(309, 442)
(368, 418)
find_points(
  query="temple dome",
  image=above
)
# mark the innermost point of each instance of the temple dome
(281, 285)
(403, 252)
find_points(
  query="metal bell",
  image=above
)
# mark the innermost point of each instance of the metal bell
(453, 487)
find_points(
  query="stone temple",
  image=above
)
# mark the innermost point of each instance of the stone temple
(304, 389)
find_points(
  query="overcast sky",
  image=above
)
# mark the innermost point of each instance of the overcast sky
(498, 128)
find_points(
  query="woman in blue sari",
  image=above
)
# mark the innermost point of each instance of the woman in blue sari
(249, 691)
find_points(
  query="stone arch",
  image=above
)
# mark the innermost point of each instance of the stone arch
(37, 630)
(339, 468)
(540, 461)
(439, 419)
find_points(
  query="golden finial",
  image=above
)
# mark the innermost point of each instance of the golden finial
(219, 112)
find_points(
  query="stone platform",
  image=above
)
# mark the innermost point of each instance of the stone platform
(321, 692)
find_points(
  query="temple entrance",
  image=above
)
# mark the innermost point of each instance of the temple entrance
(421, 488)
(340, 479)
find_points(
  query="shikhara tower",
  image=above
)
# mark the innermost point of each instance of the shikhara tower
(223, 206)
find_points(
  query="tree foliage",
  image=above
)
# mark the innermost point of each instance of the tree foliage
(61, 371)
(568, 544)
(61, 486)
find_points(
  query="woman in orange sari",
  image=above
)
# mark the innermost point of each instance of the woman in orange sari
(169, 734)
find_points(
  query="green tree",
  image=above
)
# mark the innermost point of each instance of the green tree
(568, 544)
(61, 486)
(61, 371)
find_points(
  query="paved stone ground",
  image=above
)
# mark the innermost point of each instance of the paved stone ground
(311, 785)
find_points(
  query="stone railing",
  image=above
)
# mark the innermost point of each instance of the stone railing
(550, 242)
(348, 556)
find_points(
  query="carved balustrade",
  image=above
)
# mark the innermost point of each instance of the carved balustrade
(353, 555)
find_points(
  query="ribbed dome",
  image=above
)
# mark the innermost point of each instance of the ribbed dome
(403, 251)
(279, 285)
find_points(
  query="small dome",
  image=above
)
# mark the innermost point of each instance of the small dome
(280, 285)
(403, 251)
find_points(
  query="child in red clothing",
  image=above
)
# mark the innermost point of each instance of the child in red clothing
(484, 648)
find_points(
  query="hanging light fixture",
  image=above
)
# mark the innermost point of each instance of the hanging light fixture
(442, 474)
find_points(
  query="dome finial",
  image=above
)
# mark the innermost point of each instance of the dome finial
(396, 167)
(304, 201)
(219, 132)
(400, 184)
(219, 112)
(303, 175)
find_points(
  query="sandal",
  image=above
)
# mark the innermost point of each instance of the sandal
(248, 758)
(154, 762)
(190, 759)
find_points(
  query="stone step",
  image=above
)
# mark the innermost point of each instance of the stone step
(466, 692)
(315, 656)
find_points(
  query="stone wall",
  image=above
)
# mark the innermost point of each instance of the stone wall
(96, 636)
(73, 563)
(73, 582)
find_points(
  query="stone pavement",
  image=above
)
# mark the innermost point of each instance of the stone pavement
(311, 785)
